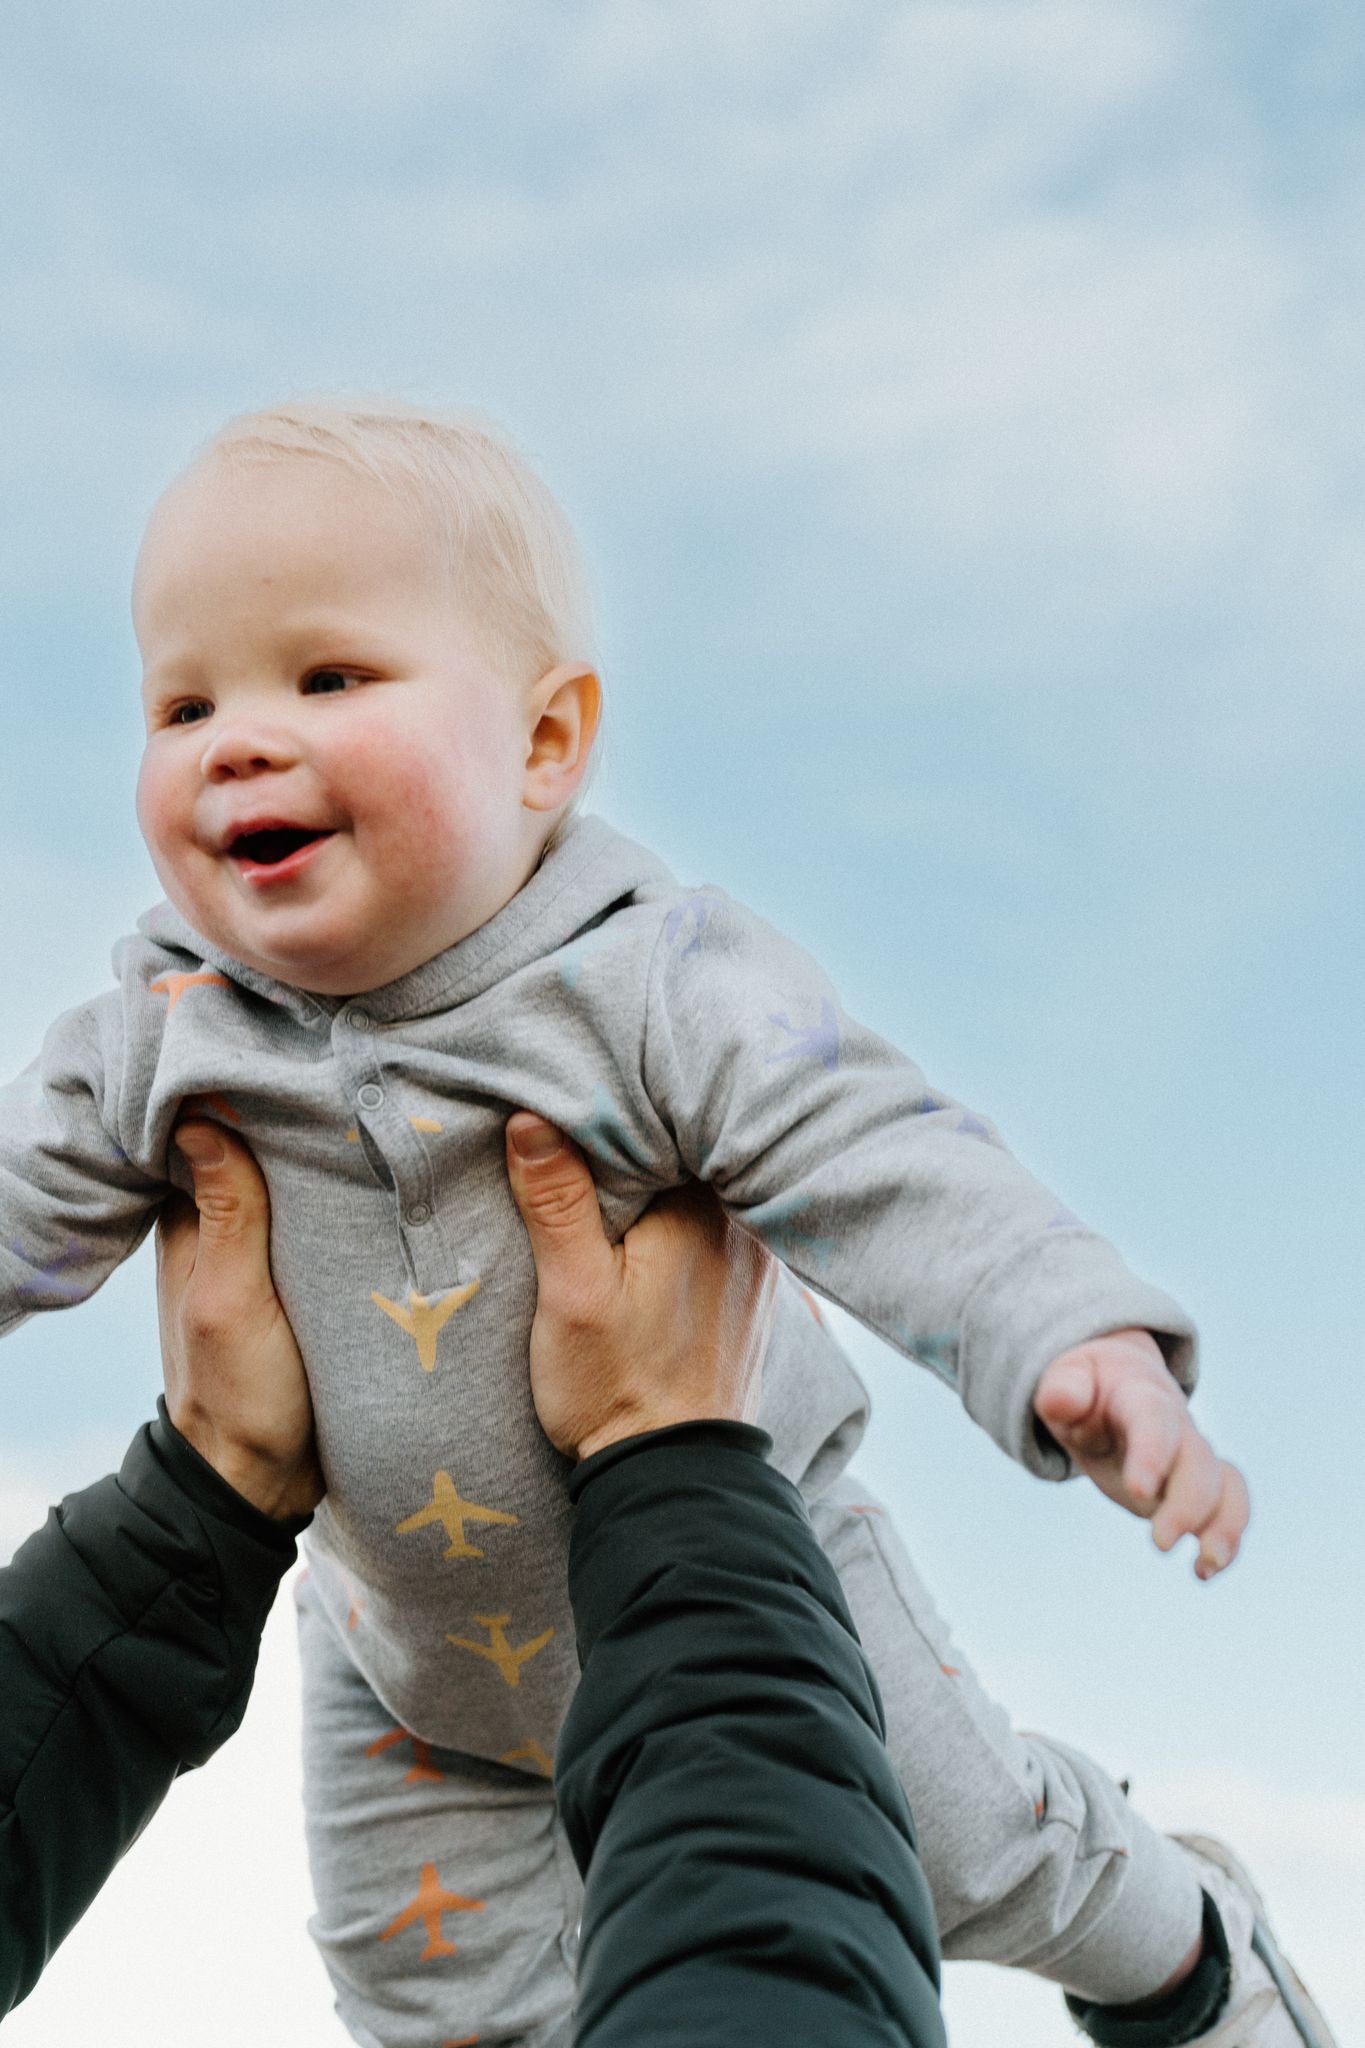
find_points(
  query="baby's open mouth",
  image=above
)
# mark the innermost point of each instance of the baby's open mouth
(273, 844)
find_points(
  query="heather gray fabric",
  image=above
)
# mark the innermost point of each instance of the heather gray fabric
(1033, 1854)
(673, 1033)
(447, 1895)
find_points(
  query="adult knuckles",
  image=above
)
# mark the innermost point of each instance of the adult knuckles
(575, 1309)
(205, 1321)
(225, 1214)
(558, 1203)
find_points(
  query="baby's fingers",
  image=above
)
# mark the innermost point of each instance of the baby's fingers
(1149, 1425)
(1192, 1493)
(1207, 1498)
(1221, 1537)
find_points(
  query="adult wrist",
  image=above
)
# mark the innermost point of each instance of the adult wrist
(256, 1493)
(280, 1492)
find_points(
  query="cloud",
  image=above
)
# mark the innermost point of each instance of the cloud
(1009, 298)
(32, 1483)
(1272, 1821)
(1004, 352)
(200, 1934)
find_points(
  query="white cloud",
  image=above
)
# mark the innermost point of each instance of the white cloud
(30, 1484)
(1270, 1823)
(1005, 292)
(199, 1937)
(295, 63)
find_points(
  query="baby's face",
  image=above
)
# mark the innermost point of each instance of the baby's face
(332, 783)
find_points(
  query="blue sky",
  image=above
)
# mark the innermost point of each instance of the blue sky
(960, 403)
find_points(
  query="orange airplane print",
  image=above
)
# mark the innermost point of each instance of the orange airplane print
(423, 1769)
(507, 1657)
(449, 1507)
(427, 1904)
(174, 985)
(424, 1320)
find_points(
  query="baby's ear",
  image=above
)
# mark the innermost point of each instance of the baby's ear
(565, 711)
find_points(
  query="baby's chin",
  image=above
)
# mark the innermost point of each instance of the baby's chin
(341, 942)
(310, 957)
(329, 963)
(327, 971)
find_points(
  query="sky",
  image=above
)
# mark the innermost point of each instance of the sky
(959, 404)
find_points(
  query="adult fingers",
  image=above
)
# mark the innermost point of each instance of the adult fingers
(760, 1272)
(229, 1190)
(177, 1235)
(682, 1228)
(554, 1190)
(724, 1261)
(709, 1262)
(177, 1238)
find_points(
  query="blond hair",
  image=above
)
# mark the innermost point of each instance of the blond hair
(512, 556)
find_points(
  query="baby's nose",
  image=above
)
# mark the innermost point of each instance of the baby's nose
(241, 748)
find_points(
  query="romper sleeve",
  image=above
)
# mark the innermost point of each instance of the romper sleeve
(882, 1192)
(73, 1204)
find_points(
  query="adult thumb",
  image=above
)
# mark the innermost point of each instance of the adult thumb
(229, 1192)
(554, 1190)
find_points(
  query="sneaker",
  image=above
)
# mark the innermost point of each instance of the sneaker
(1267, 2004)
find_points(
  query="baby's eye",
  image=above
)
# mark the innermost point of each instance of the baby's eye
(326, 681)
(189, 714)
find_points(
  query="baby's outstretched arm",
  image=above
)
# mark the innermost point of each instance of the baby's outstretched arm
(1116, 1411)
(880, 1191)
(73, 1202)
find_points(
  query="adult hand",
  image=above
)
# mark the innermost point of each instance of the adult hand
(668, 1326)
(235, 1385)
(1115, 1409)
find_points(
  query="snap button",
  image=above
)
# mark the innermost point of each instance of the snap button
(420, 1212)
(359, 1020)
(370, 1096)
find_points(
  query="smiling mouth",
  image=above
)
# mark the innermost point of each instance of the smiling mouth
(276, 843)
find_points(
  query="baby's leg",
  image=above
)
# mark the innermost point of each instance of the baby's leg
(447, 1897)
(1033, 1855)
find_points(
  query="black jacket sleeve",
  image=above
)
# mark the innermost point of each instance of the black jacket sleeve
(129, 1629)
(722, 1773)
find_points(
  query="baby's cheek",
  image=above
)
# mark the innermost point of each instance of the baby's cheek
(157, 807)
(439, 840)
(431, 814)
(165, 814)
(430, 803)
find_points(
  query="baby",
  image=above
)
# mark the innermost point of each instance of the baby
(370, 707)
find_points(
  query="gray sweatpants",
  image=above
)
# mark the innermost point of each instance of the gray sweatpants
(447, 1898)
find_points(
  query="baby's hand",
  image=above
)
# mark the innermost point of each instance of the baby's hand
(1115, 1409)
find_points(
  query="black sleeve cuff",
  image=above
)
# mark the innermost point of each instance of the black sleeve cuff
(211, 1493)
(715, 1433)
